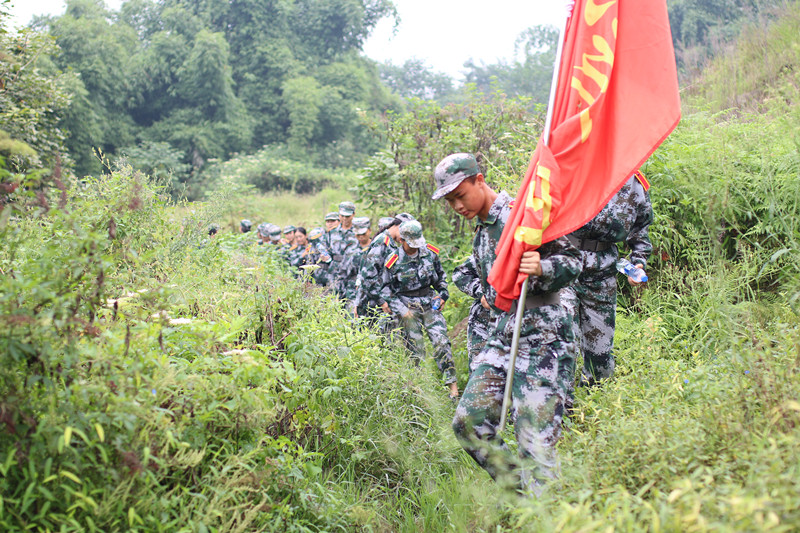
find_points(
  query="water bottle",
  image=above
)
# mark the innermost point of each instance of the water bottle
(437, 303)
(626, 267)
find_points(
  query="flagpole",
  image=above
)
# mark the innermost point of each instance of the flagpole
(523, 293)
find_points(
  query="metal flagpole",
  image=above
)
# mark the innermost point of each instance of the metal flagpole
(523, 293)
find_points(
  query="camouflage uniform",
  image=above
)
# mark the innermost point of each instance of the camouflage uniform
(546, 345)
(592, 299)
(368, 283)
(341, 244)
(480, 320)
(352, 264)
(406, 287)
(315, 253)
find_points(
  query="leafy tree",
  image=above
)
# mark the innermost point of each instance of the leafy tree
(33, 98)
(530, 75)
(499, 130)
(701, 28)
(415, 79)
(98, 52)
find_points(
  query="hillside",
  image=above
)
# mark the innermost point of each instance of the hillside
(152, 379)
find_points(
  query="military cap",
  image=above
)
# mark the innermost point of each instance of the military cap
(333, 215)
(451, 171)
(361, 225)
(347, 209)
(402, 217)
(245, 225)
(212, 229)
(411, 232)
(315, 234)
(384, 222)
(274, 232)
(288, 229)
(263, 229)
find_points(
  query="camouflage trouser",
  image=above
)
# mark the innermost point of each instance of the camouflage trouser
(592, 302)
(479, 327)
(538, 395)
(422, 316)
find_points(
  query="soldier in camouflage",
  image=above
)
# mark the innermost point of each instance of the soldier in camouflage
(352, 264)
(546, 339)
(592, 299)
(382, 246)
(331, 220)
(341, 242)
(262, 230)
(414, 288)
(313, 256)
(299, 244)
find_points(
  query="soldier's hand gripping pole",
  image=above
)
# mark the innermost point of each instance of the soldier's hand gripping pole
(512, 359)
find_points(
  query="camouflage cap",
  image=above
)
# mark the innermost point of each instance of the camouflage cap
(288, 229)
(245, 224)
(347, 209)
(411, 232)
(361, 225)
(403, 217)
(274, 232)
(384, 222)
(333, 215)
(263, 229)
(212, 229)
(451, 171)
(315, 234)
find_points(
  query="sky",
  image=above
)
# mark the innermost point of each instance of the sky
(443, 33)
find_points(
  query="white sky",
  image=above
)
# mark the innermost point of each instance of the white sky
(443, 33)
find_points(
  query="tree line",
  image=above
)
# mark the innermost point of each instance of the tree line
(171, 86)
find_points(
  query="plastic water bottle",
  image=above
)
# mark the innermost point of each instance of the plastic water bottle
(629, 269)
(437, 303)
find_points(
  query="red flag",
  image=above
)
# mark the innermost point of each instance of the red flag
(616, 100)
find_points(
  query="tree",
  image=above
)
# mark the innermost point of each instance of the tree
(529, 75)
(415, 79)
(33, 99)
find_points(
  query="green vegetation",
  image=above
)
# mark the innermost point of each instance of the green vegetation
(155, 379)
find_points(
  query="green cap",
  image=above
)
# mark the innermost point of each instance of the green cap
(411, 232)
(361, 225)
(384, 222)
(245, 225)
(333, 215)
(451, 171)
(347, 209)
(274, 232)
(288, 229)
(263, 229)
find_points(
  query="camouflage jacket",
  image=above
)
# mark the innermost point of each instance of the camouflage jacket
(349, 273)
(406, 280)
(340, 243)
(560, 260)
(625, 218)
(369, 276)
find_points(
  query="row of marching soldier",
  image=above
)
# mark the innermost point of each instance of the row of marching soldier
(395, 279)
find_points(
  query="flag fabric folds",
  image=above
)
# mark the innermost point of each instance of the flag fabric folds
(616, 100)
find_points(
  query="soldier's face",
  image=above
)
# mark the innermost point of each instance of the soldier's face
(363, 239)
(330, 224)
(300, 239)
(468, 199)
(406, 248)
